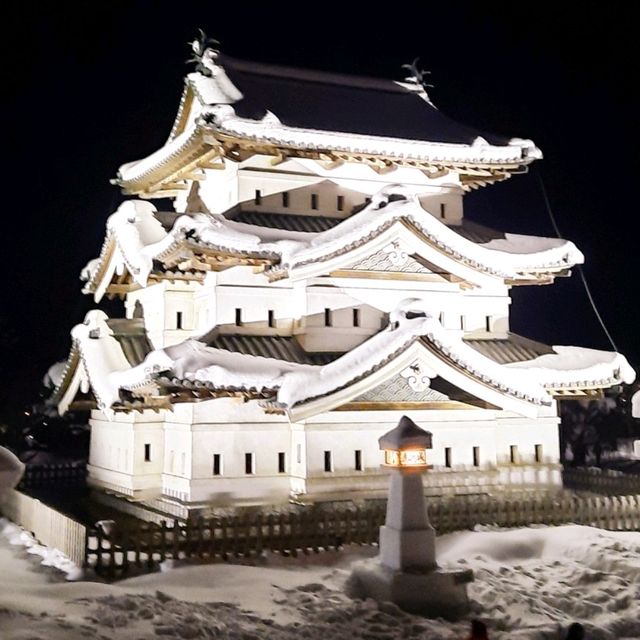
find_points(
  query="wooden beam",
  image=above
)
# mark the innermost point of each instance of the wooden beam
(279, 159)
(197, 176)
(384, 167)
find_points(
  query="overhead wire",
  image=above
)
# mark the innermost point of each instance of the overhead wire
(583, 278)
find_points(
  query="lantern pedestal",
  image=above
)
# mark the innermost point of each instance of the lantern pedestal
(407, 540)
(406, 572)
(434, 594)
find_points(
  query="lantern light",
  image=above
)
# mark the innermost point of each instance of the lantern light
(405, 447)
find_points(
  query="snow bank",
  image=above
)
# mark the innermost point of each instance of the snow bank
(17, 536)
(530, 584)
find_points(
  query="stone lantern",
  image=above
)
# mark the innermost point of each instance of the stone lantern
(406, 571)
(407, 540)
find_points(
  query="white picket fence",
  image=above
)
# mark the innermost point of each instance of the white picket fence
(604, 481)
(244, 534)
(48, 526)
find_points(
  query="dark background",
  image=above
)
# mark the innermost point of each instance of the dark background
(89, 87)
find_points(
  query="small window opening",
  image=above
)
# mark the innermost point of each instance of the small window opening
(487, 324)
(281, 462)
(358, 460)
(217, 464)
(441, 318)
(285, 198)
(463, 323)
(328, 466)
(258, 197)
(340, 203)
(513, 453)
(249, 464)
(328, 320)
(443, 210)
(447, 457)
(314, 200)
(179, 320)
(272, 319)
(147, 453)
(356, 317)
(538, 453)
(476, 456)
(238, 317)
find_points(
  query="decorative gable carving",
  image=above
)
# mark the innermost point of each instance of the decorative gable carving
(410, 385)
(393, 257)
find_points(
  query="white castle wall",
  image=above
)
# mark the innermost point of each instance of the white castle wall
(239, 182)
(299, 308)
(182, 443)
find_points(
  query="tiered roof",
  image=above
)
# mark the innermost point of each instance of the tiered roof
(232, 110)
(243, 108)
(137, 244)
(275, 371)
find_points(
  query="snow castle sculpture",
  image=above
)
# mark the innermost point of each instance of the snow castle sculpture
(316, 279)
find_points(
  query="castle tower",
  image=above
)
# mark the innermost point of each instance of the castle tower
(317, 279)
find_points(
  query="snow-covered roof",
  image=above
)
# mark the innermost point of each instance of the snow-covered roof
(288, 386)
(270, 109)
(99, 346)
(135, 239)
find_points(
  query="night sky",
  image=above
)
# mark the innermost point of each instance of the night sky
(87, 89)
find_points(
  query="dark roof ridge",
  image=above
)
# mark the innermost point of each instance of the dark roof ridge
(313, 75)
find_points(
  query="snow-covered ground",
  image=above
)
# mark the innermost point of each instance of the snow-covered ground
(530, 583)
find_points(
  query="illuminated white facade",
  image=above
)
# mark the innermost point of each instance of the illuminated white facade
(310, 288)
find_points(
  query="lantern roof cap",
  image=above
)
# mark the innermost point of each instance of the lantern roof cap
(406, 434)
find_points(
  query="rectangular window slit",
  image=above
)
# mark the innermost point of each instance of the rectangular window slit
(327, 461)
(356, 317)
(358, 460)
(249, 464)
(217, 464)
(447, 457)
(147, 453)
(443, 210)
(258, 197)
(238, 317)
(178, 319)
(488, 324)
(327, 317)
(340, 203)
(463, 323)
(476, 456)
(285, 198)
(538, 453)
(314, 200)
(281, 462)
(513, 453)
(272, 318)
